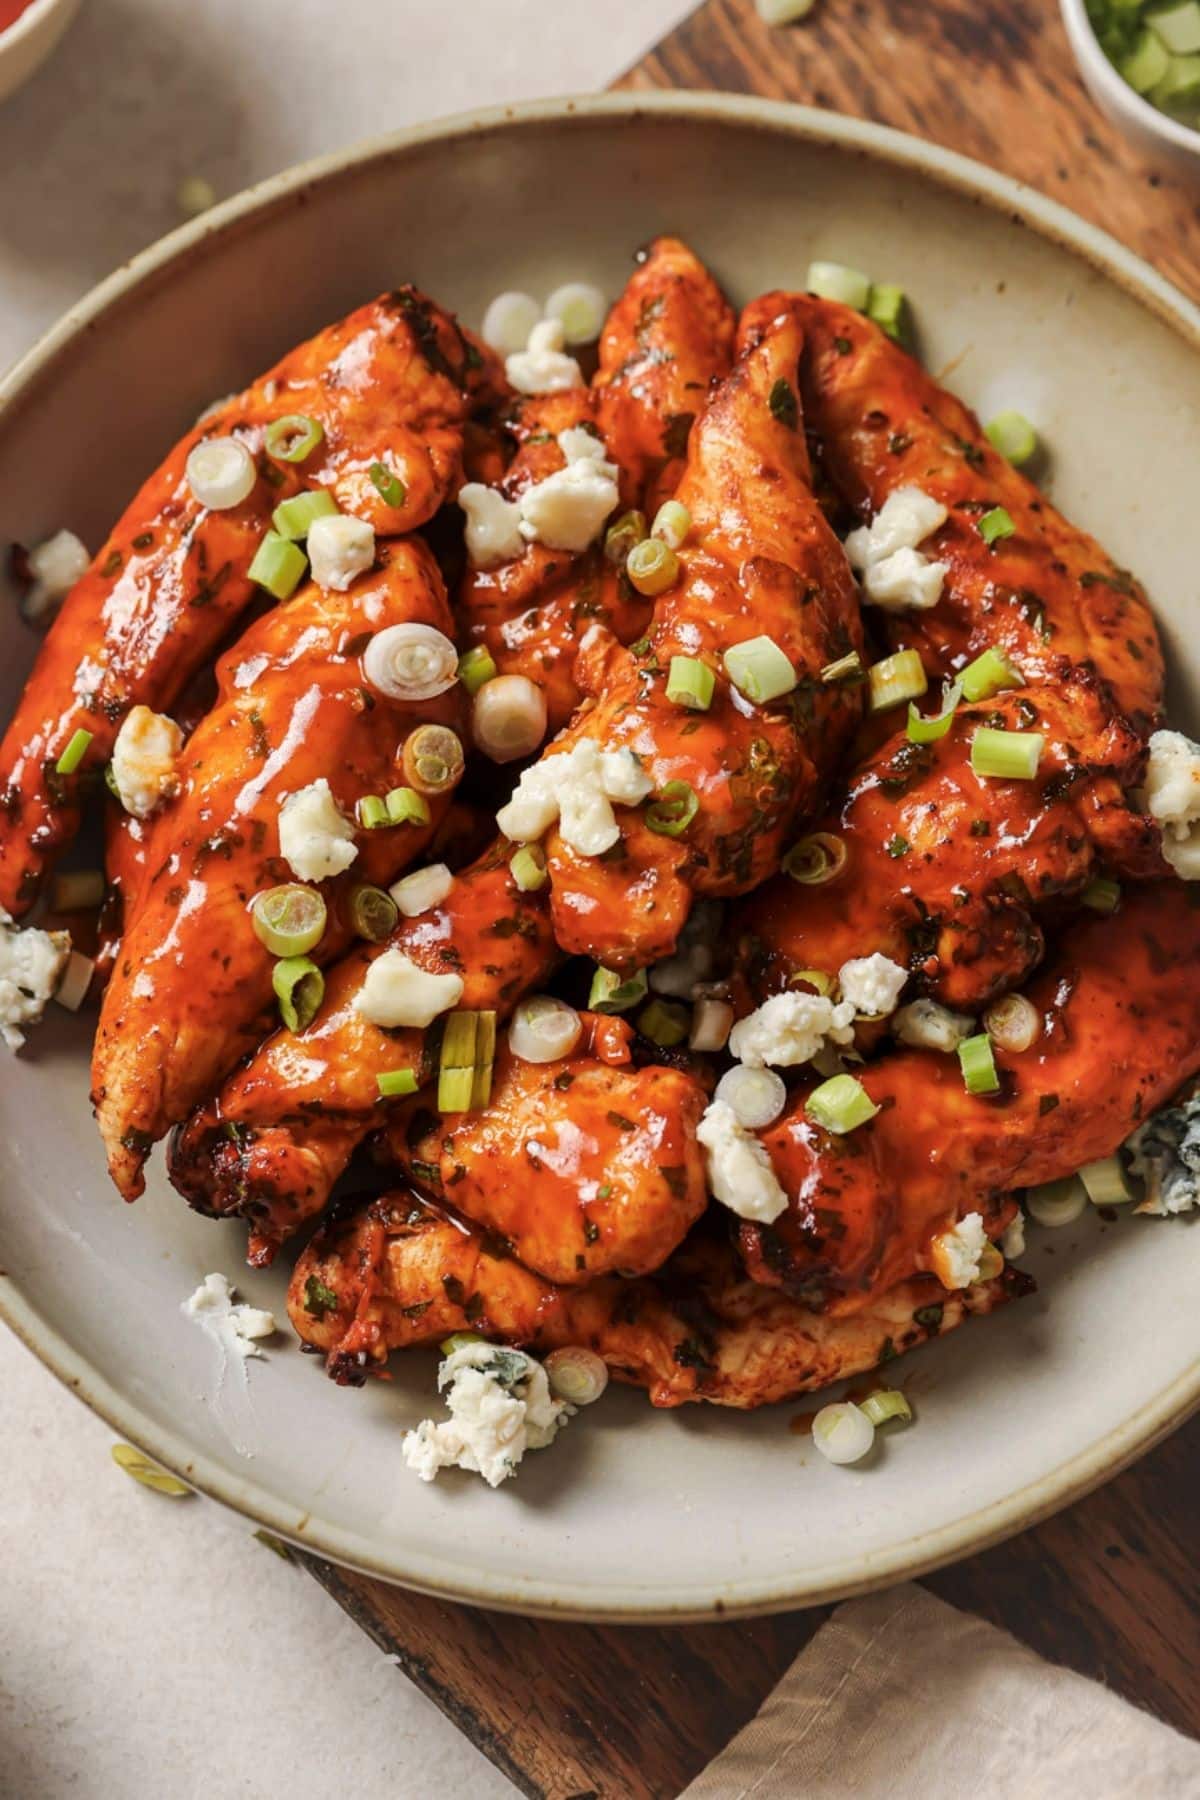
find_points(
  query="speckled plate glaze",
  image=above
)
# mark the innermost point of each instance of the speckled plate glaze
(632, 1515)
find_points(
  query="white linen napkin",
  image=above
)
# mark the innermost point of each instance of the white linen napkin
(901, 1697)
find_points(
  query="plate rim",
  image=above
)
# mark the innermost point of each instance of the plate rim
(553, 1598)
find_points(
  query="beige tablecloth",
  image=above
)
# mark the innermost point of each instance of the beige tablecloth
(900, 1697)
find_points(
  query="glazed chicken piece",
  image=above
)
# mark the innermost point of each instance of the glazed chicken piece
(667, 339)
(1120, 1010)
(584, 1165)
(192, 986)
(1048, 594)
(398, 1273)
(283, 1127)
(946, 871)
(392, 384)
(761, 561)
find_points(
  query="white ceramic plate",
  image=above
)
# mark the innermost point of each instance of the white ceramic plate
(633, 1514)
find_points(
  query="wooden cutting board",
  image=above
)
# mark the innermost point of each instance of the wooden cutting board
(1109, 1587)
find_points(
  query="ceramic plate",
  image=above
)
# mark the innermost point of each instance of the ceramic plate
(633, 1514)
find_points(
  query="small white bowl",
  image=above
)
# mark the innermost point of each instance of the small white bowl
(29, 40)
(1161, 137)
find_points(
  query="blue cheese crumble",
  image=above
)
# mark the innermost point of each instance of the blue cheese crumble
(500, 1407)
(1165, 1155)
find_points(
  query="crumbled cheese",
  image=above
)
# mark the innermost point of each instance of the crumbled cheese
(340, 548)
(234, 1325)
(1173, 798)
(928, 1026)
(315, 839)
(884, 553)
(577, 788)
(397, 991)
(956, 1254)
(791, 1028)
(542, 367)
(872, 985)
(56, 566)
(1012, 1238)
(31, 965)
(1165, 1155)
(493, 525)
(740, 1172)
(500, 1407)
(578, 444)
(144, 759)
(567, 510)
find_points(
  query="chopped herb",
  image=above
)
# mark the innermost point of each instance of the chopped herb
(1047, 1104)
(929, 1317)
(898, 443)
(980, 828)
(111, 563)
(843, 346)
(563, 1082)
(602, 1193)
(143, 540)
(417, 1310)
(898, 846)
(782, 402)
(319, 1299)
(621, 1122)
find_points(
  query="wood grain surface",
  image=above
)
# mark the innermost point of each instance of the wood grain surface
(1110, 1587)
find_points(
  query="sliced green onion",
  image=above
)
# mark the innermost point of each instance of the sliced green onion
(1102, 895)
(888, 306)
(988, 675)
(624, 535)
(485, 1056)
(813, 978)
(150, 1474)
(841, 1104)
(816, 859)
(373, 913)
(895, 679)
(396, 1083)
(1012, 435)
(289, 920)
(929, 731)
(372, 812)
(978, 1064)
(278, 566)
(292, 518)
(387, 485)
(990, 1264)
(848, 668)
(460, 1340)
(996, 524)
(404, 806)
(784, 12)
(672, 811)
(576, 1374)
(652, 567)
(461, 1063)
(834, 281)
(476, 667)
(300, 988)
(1014, 1023)
(292, 439)
(665, 1023)
(1146, 64)
(1179, 88)
(885, 1404)
(690, 683)
(79, 890)
(1105, 1182)
(1178, 27)
(74, 753)
(433, 759)
(529, 870)
(760, 670)
(1006, 755)
(612, 993)
(672, 523)
(1057, 1203)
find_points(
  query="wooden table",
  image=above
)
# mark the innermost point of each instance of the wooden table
(1109, 1587)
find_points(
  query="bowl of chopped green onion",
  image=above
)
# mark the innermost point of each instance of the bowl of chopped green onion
(1140, 60)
